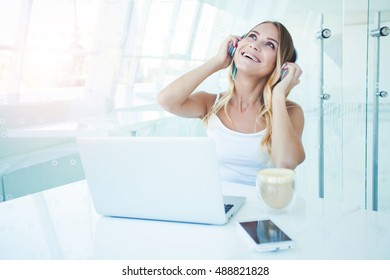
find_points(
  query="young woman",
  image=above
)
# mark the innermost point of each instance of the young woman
(253, 124)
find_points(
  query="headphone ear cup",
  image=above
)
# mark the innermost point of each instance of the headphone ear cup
(231, 50)
(295, 55)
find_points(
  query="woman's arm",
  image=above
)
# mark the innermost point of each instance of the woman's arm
(287, 124)
(177, 97)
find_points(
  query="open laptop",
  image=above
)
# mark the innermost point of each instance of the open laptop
(159, 178)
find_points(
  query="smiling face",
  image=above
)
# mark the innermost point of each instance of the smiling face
(257, 52)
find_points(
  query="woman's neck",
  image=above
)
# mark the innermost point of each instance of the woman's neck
(247, 95)
(249, 90)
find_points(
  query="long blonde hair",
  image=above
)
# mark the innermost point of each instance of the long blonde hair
(286, 53)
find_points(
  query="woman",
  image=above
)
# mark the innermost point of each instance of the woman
(253, 124)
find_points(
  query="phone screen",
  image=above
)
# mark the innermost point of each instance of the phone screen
(264, 231)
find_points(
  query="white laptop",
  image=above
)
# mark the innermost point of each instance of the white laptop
(158, 178)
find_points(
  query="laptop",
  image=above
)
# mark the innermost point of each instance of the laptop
(157, 178)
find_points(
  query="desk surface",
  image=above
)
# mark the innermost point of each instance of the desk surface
(61, 223)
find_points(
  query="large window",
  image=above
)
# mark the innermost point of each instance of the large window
(45, 47)
(56, 50)
(109, 49)
(10, 15)
(168, 38)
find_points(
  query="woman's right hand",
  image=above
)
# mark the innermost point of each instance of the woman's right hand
(222, 57)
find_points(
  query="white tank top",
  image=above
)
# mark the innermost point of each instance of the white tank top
(239, 154)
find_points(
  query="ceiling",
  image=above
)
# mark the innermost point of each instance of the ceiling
(351, 11)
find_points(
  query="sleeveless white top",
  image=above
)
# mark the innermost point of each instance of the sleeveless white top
(239, 154)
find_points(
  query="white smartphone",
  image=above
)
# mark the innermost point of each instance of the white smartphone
(264, 235)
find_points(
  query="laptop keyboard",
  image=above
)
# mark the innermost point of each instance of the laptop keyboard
(228, 207)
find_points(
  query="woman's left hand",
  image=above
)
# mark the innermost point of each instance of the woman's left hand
(290, 80)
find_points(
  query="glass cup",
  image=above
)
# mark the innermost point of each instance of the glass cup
(276, 187)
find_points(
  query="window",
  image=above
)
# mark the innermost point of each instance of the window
(9, 14)
(45, 46)
(174, 38)
(184, 28)
(66, 49)
(203, 32)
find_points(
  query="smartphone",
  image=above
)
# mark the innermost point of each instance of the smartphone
(265, 235)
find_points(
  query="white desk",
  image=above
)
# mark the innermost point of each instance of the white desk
(61, 223)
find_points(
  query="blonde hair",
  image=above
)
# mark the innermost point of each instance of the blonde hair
(286, 53)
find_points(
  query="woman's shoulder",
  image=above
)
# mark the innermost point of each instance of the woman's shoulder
(292, 105)
(208, 95)
(294, 110)
(208, 98)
